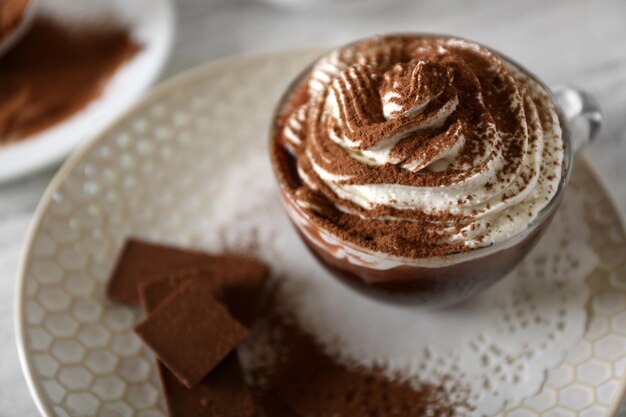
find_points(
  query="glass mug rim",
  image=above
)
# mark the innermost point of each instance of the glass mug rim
(437, 260)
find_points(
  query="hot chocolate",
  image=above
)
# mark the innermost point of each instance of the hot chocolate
(413, 149)
(422, 146)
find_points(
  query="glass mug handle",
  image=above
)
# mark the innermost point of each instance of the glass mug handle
(582, 114)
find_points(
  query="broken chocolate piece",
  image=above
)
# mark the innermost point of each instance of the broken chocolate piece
(191, 332)
(237, 282)
(222, 393)
(141, 260)
(154, 291)
(241, 278)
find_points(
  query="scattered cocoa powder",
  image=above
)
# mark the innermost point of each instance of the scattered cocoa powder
(305, 381)
(11, 12)
(55, 71)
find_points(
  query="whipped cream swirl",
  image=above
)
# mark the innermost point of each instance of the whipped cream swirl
(436, 142)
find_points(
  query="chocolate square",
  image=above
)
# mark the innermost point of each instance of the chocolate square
(241, 278)
(191, 332)
(240, 282)
(140, 260)
(237, 282)
(223, 392)
(152, 292)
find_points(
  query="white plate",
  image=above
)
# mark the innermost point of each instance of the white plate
(152, 24)
(161, 172)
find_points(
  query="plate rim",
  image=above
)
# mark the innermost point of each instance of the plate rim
(40, 164)
(159, 90)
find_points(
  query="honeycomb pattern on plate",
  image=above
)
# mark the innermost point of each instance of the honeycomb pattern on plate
(85, 359)
(81, 355)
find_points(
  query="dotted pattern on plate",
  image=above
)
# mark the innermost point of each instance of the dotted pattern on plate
(590, 382)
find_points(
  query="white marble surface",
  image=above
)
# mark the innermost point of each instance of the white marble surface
(563, 41)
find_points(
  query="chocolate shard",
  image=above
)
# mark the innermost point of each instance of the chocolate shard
(191, 332)
(240, 279)
(154, 291)
(238, 283)
(221, 393)
(140, 260)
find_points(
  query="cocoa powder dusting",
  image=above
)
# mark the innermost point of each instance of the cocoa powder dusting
(303, 380)
(447, 115)
(55, 71)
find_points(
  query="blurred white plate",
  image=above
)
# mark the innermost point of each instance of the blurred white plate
(152, 24)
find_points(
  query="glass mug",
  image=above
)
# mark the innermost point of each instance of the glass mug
(437, 280)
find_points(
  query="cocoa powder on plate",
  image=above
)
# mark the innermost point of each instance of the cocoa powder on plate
(55, 71)
(303, 380)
